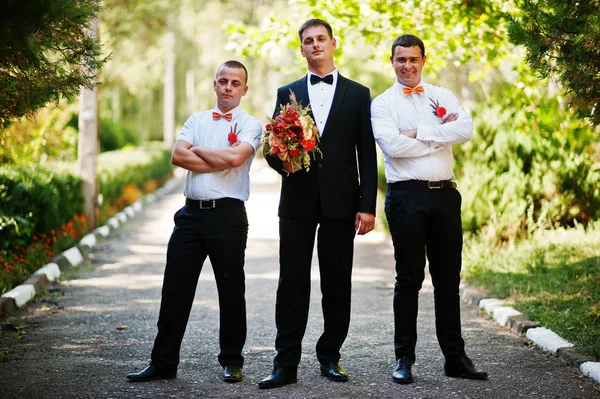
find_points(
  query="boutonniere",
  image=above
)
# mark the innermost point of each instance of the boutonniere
(232, 137)
(438, 110)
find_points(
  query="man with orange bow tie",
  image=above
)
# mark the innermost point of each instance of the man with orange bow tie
(217, 148)
(416, 124)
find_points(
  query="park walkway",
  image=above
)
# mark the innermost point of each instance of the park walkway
(99, 324)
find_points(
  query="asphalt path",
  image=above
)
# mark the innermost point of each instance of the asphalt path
(98, 324)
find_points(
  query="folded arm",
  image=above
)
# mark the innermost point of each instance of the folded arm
(455, 130)
(225, 158)
(184, 157)
(392, 142)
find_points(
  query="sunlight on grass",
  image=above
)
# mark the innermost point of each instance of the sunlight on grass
(553, 278)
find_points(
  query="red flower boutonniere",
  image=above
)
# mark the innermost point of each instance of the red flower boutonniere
(438, 110)
(232, 137)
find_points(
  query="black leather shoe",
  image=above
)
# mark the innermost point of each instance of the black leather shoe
(403, 373)
(151, 373)
(334, 372)
(279, 378)
(464, 368)
(232, 374)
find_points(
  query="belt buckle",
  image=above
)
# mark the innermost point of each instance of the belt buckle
(434, 184)
(209, 204)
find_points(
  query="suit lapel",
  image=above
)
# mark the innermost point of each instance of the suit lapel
(338, 97)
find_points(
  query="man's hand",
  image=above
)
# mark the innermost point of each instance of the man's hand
(287, 166)
(364, 222)
(450, 118)
(412, 133)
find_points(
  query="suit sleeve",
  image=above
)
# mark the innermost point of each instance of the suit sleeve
(273, 161)
(367, 157)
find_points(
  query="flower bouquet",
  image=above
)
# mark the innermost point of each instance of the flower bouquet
(292, 135)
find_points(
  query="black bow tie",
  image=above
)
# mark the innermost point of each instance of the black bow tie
(314, 79)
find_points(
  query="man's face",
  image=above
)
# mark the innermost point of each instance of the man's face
(408, 64)
(230, 86)
(317, 47)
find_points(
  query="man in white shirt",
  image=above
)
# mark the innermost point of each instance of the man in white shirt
(415, 124)
(217, 148)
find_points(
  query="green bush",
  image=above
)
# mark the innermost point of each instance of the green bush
(40, 206)
(35, 200)
(113, 136)
(138, 169)
(527, 169)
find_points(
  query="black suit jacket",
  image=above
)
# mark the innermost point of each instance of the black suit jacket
(344, 178)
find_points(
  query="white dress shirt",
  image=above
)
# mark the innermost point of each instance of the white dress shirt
(429, 155)
(320, 96)
(200, 129)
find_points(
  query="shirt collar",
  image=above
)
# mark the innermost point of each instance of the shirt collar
(334, 73)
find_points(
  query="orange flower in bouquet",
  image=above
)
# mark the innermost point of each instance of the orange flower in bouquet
(292, 135)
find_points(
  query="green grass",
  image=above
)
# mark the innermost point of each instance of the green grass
(552, 278)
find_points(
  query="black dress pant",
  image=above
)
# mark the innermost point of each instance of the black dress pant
(426, 223)
(335, 247)
(220, 234)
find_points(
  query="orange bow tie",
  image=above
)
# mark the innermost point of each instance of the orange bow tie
(407, 90)
(217, 116)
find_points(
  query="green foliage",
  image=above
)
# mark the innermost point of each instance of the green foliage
(522, 172)
(45, 54)
(563, 42)
(453, 31)
(44, 136)
(113, 136)
(137, 170)
(35, 200)
(552, 277)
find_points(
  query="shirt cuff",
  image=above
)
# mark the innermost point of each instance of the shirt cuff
(426, 133)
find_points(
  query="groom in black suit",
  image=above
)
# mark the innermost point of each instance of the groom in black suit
(335, 200)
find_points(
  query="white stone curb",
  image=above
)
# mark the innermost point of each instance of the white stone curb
(113, 222)
(502, 313)
(150, 198)
(89, 240)
(104, 231)
(129, 211)
(591, 369)
(21, 294)
(540, 336)
(74, 256)
(137, 206)
(490, 304)
(547, 339)
(51, 270)
(122, 217)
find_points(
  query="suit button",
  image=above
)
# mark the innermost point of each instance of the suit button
(320, 165)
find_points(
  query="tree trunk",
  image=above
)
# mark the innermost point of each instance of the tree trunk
(89, 142)
(169, 87)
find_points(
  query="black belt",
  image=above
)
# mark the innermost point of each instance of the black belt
(431, 184)
(212, 204)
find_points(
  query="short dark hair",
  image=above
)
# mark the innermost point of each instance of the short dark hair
(408, 41)
(234, 64)
(315, 22)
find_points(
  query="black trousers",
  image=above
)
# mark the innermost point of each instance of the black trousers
(220, 234)
(335, 247)
(426, 223)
